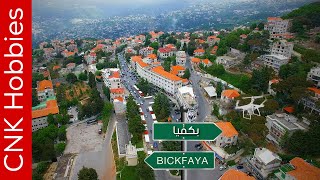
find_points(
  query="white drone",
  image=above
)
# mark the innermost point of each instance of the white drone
(251, 108)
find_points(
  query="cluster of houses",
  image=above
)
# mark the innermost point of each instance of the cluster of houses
(48, 105)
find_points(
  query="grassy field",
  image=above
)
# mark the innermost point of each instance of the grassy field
(234, 79)
(129, 173)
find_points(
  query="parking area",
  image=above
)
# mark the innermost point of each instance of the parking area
(73, 112)
(83, 138)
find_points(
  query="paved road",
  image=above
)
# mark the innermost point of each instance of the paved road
(129, 82)
(204, 110)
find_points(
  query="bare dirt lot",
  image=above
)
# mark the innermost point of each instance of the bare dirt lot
(83, 138)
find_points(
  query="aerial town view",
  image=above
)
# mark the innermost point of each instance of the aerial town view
(170, 90)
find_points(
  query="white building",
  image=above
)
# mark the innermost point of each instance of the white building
(263, 163)
(277, 25)
(165, 52)
(119, 105)
(41, 112)
(146, 51)
(157, 76)
(314, 75)
(181, 58)
(199, 52)
(131, 155)
(150, 59)
(227, 61)
(280, 124)
(45, 90)
(282, 47)
(92, 68)
(187, 99)
(274, 61)
(111, 78)
(91, 58)
(229, 135)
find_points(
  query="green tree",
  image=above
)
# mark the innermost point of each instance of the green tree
(83, 77)
(161, 107)
(51, 119)
(60, 147)
(171, 146)
(106, 91)
(154, 45)
(219, 89)
(87, 174)
(187, 73)
(62, 133)
(92, 80)
(35, 78)
(144, 86)
(35, 100)
(71, 78)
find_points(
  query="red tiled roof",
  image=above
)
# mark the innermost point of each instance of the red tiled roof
(195, 60)
(289, 109)
(274, 19)
(152, 56)
(117, 90)
(227, 129)
(315, 90)
(45, 84)
(115, 74)
(199, 50)
(304, 170)
(51, 108)
(206, 61)
(164, 50)
(119, 98)
(159, 70)
(233, 174)
(175, 69)
(230, 93)
(56, 67)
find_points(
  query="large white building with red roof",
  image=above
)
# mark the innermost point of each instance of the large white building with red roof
(156, 75)
(166, 52)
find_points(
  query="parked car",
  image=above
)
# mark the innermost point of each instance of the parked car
(222, 168)
(240, 167)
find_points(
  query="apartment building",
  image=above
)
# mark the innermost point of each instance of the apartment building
(199, 52)
(274, 61)
(40, 113)
(150, 59)
(157, 76)
(298, 169)
(44, 90)
(282, 47)
(262, 163)
(211, 40)
(111, 78)
(276, 25)
(91, 58)
(206, 62)
(177, 70)
(165, 52)
(279, 124)
(314, 75)
(229, 135)
(146, 51)
(187, 99)
(181, 58)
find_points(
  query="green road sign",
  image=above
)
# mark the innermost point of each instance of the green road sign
(185, 131)
(161, 160)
